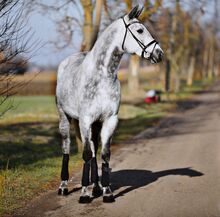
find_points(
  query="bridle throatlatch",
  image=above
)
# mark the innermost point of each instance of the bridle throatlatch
(144, 47)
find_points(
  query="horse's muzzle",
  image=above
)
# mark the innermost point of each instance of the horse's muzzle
(158, 55)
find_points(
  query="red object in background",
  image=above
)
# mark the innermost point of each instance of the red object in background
(150, 100)
(152, 96)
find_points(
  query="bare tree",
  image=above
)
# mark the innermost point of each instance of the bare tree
(189, 41)
(72, 17)
(90, 28)
(14, 41)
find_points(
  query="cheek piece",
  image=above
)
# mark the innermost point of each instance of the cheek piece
(143, 47)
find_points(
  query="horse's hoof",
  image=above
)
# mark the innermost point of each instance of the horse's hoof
(108, 199)
(96, 191)
(107, 195)
(63, 191)
(85, 199)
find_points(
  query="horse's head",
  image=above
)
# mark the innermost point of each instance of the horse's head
(137, 39)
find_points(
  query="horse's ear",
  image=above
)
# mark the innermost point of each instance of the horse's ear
(140, 11)
(135, 12)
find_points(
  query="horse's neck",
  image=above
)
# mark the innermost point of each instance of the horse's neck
(106, 53)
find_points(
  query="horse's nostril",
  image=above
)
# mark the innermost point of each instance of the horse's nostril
(158, 51)
(160, 54)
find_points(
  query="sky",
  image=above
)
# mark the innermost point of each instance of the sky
(45, 31)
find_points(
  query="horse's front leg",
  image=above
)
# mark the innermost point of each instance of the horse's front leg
(107, 131)
(96, 188)
(88, 154)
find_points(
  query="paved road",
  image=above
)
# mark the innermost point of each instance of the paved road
(172, 170)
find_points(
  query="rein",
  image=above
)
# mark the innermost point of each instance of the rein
(144, 47)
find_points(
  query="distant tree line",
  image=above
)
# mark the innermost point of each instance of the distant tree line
(16, 66)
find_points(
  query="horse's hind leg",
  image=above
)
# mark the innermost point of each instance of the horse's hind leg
(88, 154)
(64, 127)
(107, 131)
(96, 190)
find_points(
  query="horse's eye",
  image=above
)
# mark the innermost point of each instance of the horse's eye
(140, 31)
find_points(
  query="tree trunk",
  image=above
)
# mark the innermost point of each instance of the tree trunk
(191, 71)
(175, 70)
(177, 81)
(216, 70)
(211, 63)
(134, 65)
(167, 76)
(87, 25)
(96, 26)
(205, 64)
(133, 75)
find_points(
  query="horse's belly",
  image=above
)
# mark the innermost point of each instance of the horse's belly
(71, 110)
(108, 104)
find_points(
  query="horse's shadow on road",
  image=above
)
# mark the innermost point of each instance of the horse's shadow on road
(134, 179)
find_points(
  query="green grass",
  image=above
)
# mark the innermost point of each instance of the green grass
(30, 162)
(29, 109)
(30, 151)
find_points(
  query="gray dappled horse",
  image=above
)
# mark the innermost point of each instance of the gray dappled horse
(88, 91)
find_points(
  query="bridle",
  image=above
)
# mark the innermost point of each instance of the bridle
(144, 47)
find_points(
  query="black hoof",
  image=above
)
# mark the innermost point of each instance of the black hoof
(108, 199)
(85, 199)
(96, 192)
(63, 191)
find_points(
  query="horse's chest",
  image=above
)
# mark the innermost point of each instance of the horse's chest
(105, 107)
(107, 99)
(101, 100)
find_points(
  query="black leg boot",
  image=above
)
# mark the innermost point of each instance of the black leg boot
(107, 193)
(63, 189)
(96, 190)
(85, 196)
